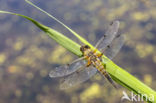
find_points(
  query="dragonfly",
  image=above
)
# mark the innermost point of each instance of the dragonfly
(83, 68)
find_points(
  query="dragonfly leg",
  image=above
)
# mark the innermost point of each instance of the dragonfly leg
(88, 64)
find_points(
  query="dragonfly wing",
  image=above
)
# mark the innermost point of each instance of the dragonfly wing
(78, 77)
(114, 47)
(66, 69)
(109, 36)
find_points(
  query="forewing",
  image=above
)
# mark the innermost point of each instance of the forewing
(78, 77)
(114, 47)
(109, 36)
(66, 69)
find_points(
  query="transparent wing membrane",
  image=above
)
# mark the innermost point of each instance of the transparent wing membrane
(78, 77)
(114, 47)
(109, 36)
(66, 69)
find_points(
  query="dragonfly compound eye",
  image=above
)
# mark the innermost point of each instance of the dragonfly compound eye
(82, 48)
(87, 47)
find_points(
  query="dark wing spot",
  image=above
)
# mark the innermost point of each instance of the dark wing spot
(108, 46)
(118, 36)
(111, 23)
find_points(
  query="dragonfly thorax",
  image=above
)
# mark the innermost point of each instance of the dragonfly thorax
(93, 58)
(90, 54)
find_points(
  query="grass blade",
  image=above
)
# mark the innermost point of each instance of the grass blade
(73, 32)
(58, 37)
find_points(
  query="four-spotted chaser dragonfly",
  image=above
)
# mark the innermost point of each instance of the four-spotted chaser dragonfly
(85, 67)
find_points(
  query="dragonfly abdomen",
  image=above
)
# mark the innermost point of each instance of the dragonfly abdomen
(102, 70)
(99, 65)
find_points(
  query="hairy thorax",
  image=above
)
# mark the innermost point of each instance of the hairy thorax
(93, 58)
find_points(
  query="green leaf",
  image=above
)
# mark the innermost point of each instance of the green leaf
(73, 32)
(118, 74)
(58, 37)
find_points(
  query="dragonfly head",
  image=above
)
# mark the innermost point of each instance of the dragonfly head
(84, 48)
